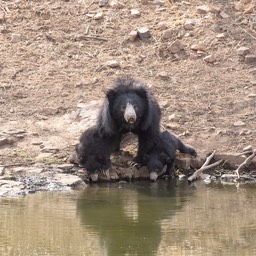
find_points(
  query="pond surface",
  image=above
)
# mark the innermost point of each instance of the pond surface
(137, 218)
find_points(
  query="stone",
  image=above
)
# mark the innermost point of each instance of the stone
(167, 34)
(102, 3)
(68, 180)
(210, 58)
(224, 15)
(243, 50)
(65, 166)
(113, 64)
(221, 36)
(249, 59)
(203, 9)
(176, 46)
(248, 148)
(162, 25)
(135, 13)
(252, 95)
(189, 25)
(50, 149)
(239, 123)
(15, 38)
(198, 47)
(144, 32)
(14, 131)
(98, 16)
(215, 9)
(133, 35)
(4, 141)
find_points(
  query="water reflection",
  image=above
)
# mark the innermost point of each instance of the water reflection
(128, 218)
(139, 218)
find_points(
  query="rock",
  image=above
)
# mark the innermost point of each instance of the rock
(98, 16)
(173, 117)
(4, 141)
(252, 95)
(203, 9)
(189, 25)
(176, 46)
(133, 35)
(11, 188)
(248, 148)
(135, 13)
(37, 143)
(15, 38)
(102, 3)
(116, 4)
(164, 76)
(1, 171)
(239, 123)
(144, 33)
(164, 103)
(156, 2)
(167, 34)
(14, 131)
(224, 15)
(215, 9)
(50, 150)
(249, 59)
(113, 64)
(221, 36)
(65, 166)
(68, 180)
(162, 25)
(243, 50)
(198, 47)
(210, 58)
(253, 82)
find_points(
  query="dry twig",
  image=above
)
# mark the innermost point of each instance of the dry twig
(204, 167)
(245, 163)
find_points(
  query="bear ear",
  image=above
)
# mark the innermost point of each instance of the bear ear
(111, 94)
(142, 92)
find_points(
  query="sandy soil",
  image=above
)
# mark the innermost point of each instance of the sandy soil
(56, 62)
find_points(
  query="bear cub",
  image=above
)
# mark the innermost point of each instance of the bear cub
(164, 153)
(93, 151)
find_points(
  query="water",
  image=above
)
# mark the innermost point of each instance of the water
(140, 218)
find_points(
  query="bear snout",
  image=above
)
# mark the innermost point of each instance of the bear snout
(130, 114)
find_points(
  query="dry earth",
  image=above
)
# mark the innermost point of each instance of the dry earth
(57, 57)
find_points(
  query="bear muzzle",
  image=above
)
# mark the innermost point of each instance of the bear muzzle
(130, 114)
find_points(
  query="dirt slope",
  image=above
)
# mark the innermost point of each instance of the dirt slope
(55, 62)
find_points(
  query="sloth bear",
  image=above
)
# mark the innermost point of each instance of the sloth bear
(164, 153)
(130, 107)
(93, 151)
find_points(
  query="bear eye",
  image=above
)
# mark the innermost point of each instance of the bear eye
(123, 107)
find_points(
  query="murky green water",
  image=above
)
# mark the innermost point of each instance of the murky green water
(140, 218)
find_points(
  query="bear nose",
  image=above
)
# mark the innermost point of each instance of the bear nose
(130, 114)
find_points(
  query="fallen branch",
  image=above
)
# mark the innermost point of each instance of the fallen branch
(246, 162)
(204, 167)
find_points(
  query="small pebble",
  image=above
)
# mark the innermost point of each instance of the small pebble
(113, 64)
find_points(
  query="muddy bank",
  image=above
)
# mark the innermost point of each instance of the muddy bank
(23, 180)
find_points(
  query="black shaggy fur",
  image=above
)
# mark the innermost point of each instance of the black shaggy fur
(93, 151)
(146, 121)
(164, 153)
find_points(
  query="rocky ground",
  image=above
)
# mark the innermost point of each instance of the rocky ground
(58, 57)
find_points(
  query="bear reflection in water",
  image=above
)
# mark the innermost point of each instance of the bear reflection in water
(128, 217)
